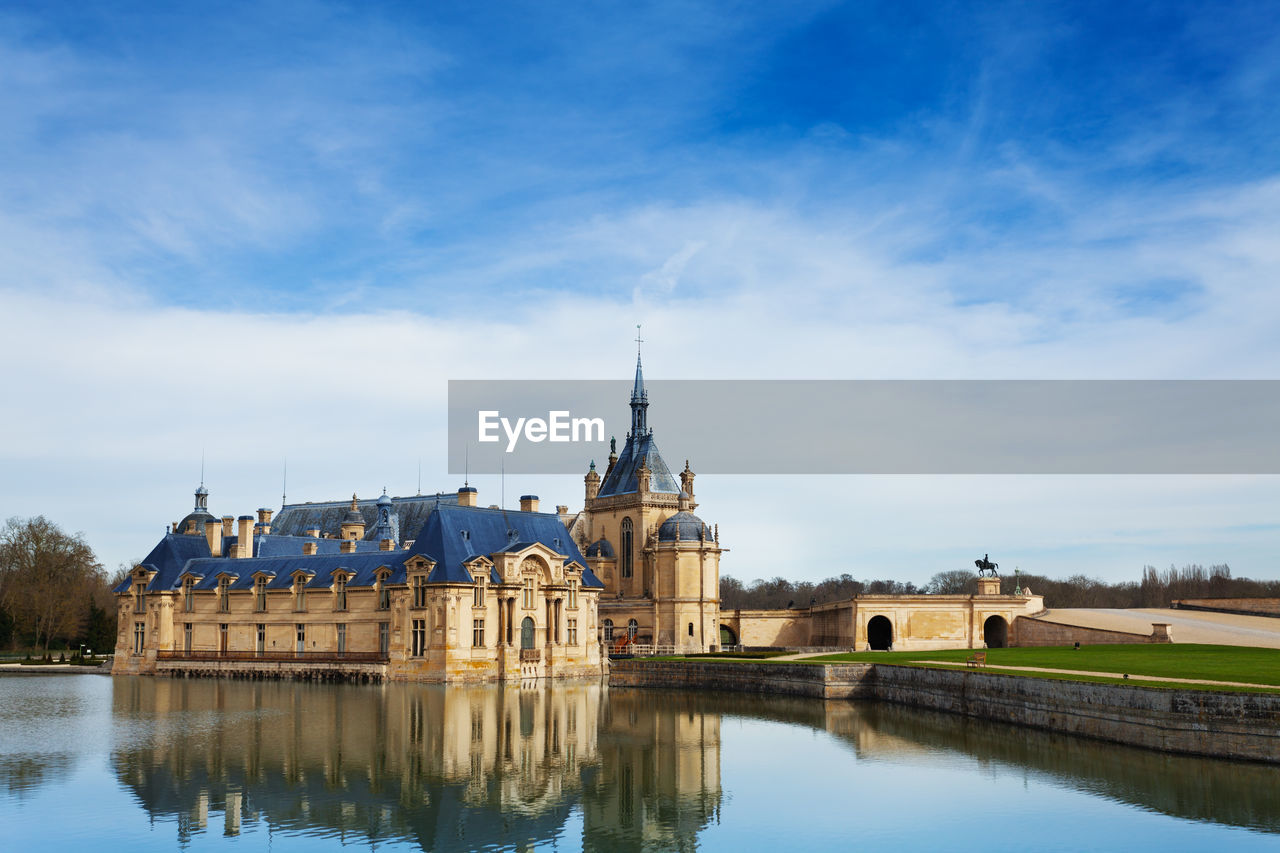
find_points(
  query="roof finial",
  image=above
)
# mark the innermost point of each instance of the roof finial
(284, 482)
(202, 466)
(639, 341)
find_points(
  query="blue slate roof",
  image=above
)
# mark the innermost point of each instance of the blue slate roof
(407, 516)
(622, 479)
(685, 526)
(455, 534)
(442, 540)
(362, 567)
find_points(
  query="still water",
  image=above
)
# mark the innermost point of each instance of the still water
(137, 764)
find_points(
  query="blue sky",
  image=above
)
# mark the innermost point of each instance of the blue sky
(277, 229)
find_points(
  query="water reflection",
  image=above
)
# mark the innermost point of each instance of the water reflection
(504, 767)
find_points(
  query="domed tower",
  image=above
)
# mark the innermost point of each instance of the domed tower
(661, 569)
(194, 522)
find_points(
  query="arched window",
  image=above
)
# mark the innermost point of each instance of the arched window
(632, 627)
(526, 633)
(627, 542)
(608, 630)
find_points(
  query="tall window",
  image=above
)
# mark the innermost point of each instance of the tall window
(302, 637)
(139, 596)
(260, 595)
(573, 632)
(188, 595)
(477, 633)
(262, 638)
(342, 638)
(632, 628)
(384, 593)
(384, 638)
(573, 595)
(300, 594)
(223, 637)
(419, 637)
(340, 593)
(419, 590)
(627, 541)
(608, 630)
(224, 595)
(477, 594)
(139, 637)
(527, 594)
(186, 637)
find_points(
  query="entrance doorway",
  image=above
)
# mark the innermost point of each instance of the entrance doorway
(880, 633)
(727, 637)
(996, 632)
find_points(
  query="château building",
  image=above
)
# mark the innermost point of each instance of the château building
(431, 588)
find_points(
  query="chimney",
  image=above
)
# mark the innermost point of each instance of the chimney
(348, 546)
(387, 545)
(227, 524)
(313, 532)
(244, 539)
(264, 520)
(562, 509)
(213, 535)
(467, 496)
(528, 503)
(309, 548)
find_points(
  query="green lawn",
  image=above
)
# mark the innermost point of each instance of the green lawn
(1176, 660)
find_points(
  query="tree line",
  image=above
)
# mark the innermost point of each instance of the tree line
(54, 593)
(1155, 589)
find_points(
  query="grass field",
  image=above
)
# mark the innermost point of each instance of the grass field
(1178, 660)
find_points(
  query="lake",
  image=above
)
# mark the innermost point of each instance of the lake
(142, 764)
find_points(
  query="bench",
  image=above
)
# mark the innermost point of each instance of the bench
(977, 659)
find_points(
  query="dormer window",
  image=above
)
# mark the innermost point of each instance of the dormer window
(419, 590)
(384, 592)
(188, 595)
(260, 595)
(477, 594)
(527, 594)
(300, 594)
(139, 595)
(573, 594)
(340, 592)
(224, 595)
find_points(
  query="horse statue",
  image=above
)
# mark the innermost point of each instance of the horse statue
(985, 566)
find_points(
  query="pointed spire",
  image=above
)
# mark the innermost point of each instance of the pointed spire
(639, 396)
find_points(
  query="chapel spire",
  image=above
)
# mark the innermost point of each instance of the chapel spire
(639, 396)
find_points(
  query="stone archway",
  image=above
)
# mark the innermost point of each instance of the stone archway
(880, 633)
(996, 632)
(727, 637)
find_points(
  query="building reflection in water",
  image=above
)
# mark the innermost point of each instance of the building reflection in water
(448, 768)
(501, 767)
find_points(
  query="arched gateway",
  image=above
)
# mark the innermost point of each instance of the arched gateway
(996, 632)
(880, 633)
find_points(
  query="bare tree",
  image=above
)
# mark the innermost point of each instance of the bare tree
(47, 579)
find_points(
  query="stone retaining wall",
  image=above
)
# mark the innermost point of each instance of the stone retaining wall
(1030, 631)
(820, 681)
(1242, 606)
(1223, 725)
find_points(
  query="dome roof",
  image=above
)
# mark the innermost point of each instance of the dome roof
(683, 526)
(200, 516)
(384, 500)
(600, 548)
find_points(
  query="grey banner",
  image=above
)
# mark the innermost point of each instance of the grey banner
(876, 427)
